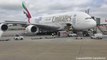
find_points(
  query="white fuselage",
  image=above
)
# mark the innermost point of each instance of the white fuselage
(79, 20)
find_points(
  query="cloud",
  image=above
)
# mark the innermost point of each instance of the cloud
(10, 4)
(47, 6)
(12, 9)
(57, 4)
(100, 10)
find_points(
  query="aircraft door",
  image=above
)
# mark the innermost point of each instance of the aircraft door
(74, 21)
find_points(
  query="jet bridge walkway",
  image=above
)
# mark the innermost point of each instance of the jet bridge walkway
(102, 29)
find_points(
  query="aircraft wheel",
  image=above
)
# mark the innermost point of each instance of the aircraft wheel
(16, 38)
(21, 39)
(76, 38)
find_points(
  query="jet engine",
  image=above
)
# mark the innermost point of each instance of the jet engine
(3, 27)
(32, 29)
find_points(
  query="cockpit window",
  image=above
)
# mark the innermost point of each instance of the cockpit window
(88, 18)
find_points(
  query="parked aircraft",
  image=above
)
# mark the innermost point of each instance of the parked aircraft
(55, 22)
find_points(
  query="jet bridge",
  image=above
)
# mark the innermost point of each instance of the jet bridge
(102, 29)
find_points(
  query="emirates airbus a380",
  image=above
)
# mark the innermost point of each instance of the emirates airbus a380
(55, 22)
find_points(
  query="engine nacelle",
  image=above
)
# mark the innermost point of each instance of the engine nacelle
(3, 27)
(32, 29)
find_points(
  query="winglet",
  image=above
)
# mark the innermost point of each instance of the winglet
(26, 12)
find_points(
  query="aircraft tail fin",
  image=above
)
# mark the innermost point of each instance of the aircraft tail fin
(26, 12)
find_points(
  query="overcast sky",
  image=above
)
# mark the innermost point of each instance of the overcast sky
(12, 9)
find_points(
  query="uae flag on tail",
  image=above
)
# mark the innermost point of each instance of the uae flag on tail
(26, 12)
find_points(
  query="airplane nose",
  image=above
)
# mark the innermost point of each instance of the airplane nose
(90, 23)
(93, 23)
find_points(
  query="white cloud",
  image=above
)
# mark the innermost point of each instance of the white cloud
(100, 11)
(12, 9)
(10, 4)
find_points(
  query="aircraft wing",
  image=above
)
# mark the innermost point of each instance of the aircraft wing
(45, 27)
(42, 27)
(14, 22)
